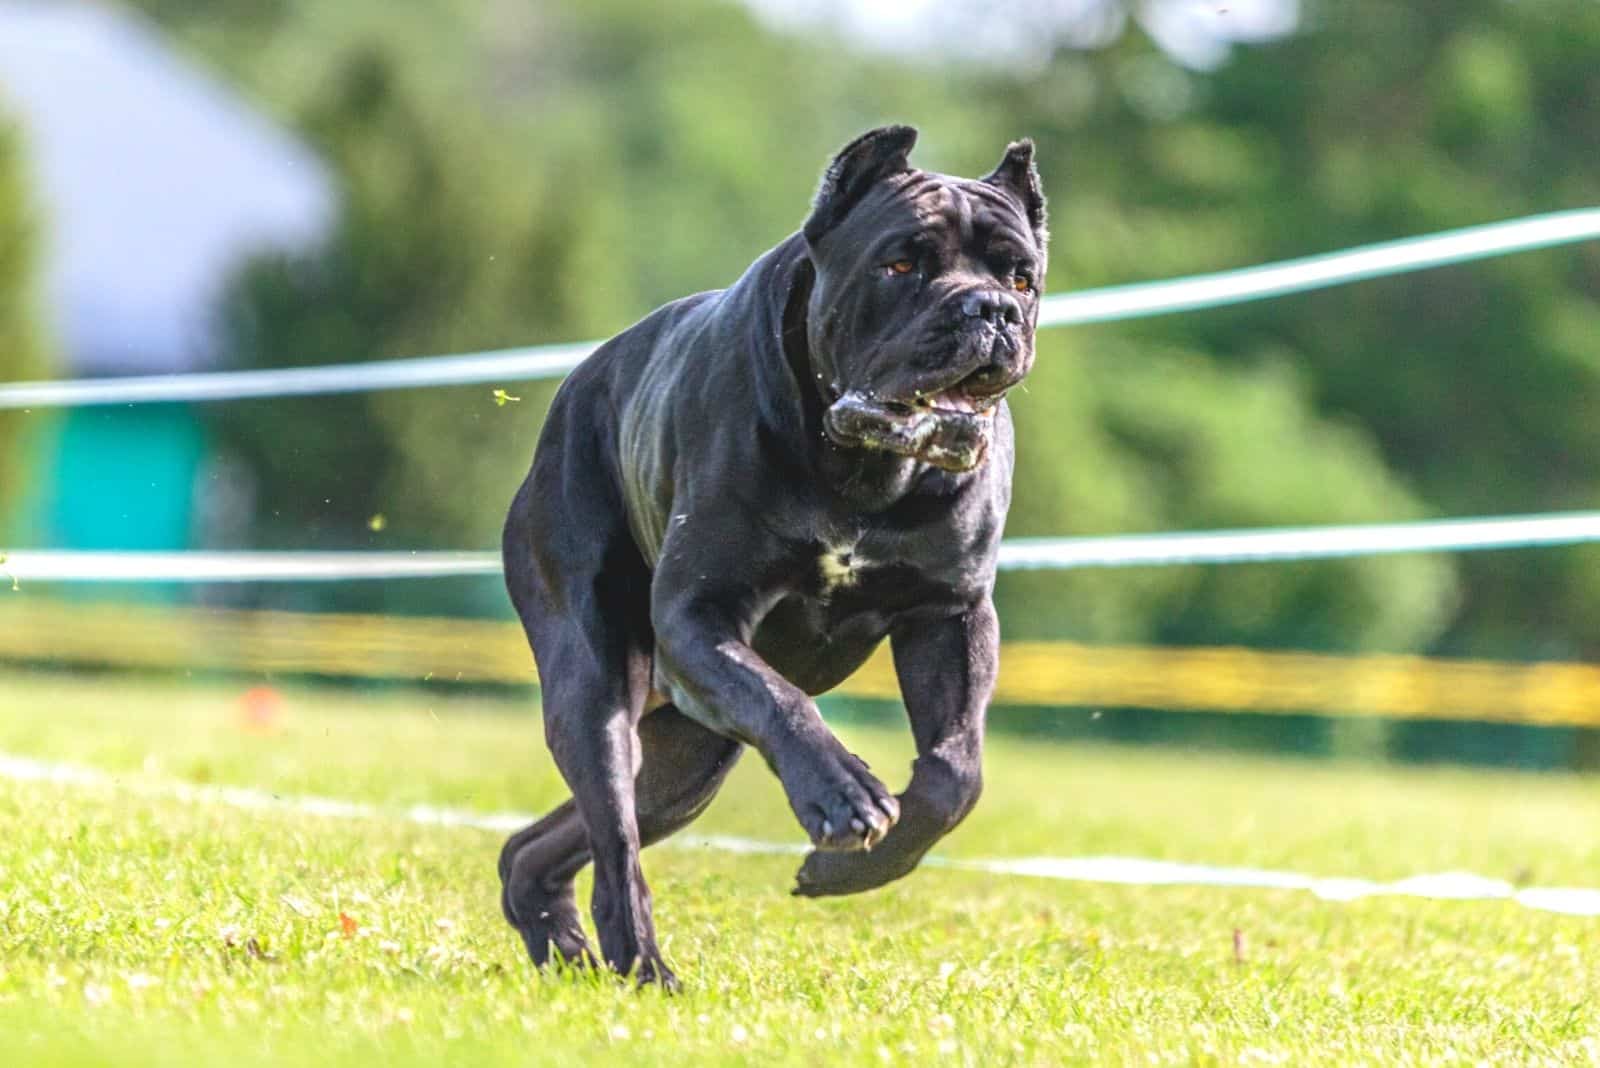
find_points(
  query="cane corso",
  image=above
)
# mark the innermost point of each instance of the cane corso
(736, 500)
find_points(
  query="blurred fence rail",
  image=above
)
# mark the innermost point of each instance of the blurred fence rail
(1016, 554)
(1051, 674)
(1106, 304)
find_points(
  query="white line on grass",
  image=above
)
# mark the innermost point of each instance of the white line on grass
(1127, 871)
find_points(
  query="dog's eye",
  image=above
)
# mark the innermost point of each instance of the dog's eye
(1022, 283)
(901, 267)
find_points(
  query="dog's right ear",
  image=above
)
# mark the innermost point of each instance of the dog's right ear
(870, 157)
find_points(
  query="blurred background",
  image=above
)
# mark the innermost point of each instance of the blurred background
(218, 184)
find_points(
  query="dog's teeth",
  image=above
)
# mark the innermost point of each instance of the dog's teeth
(858, 826)
(827, 828)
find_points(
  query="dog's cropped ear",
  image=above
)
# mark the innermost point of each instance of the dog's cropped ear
(1018, 175)
(874, 155)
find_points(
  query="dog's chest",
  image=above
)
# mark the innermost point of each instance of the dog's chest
(840, 565)
(848, 593)
(873, 571)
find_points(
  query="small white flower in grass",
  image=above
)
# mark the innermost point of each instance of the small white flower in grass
(947, 1046)
(739, 1034)
(388, 946)
(95, 994)
(620, 1032)
(162, 923)
(231, 934)
(140, 981)
(403, 1015)
(946, 970)
(444, 924)
(297, 906)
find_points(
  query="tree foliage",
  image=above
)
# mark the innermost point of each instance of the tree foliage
(23, 354)
(1476, 385)
(518, 172)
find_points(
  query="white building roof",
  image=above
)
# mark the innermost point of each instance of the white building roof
(157, 182)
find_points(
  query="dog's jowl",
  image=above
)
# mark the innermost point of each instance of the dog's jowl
(736, 500)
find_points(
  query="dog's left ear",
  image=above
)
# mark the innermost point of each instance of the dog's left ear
(1018, 175)
(874, 155)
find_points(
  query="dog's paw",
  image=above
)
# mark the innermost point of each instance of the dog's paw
(833, 874)
(653, 971)
(841, 805)
(548, 922)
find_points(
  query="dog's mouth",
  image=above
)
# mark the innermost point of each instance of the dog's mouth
(956, 401)
(949, 429)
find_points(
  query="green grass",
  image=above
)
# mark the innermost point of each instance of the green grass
(138, 930)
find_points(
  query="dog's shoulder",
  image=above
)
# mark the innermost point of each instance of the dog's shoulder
(625, 354)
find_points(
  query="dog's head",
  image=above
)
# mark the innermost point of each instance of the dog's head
(926, 294)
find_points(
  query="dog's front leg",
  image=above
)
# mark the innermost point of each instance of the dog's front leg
(704, 660)
(947, 671)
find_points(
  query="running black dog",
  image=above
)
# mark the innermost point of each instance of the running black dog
(735, 500)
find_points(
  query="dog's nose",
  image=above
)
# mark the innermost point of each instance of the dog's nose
(992, 306)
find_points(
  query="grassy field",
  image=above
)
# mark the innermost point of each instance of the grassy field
(136, 928)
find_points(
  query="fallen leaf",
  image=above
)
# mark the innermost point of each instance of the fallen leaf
(260, 708)
(348, 924)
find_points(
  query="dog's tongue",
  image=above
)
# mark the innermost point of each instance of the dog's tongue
(953, 401)
(944, 435)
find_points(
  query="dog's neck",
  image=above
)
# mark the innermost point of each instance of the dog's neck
(869, 480)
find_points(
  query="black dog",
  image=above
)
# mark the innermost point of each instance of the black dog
(735, 500)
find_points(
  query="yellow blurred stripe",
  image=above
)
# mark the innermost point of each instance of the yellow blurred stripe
(1032, 673)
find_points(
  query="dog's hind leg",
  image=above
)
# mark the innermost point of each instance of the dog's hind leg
(683, 765)
(537, 867)
(582, 591)
(589, 724)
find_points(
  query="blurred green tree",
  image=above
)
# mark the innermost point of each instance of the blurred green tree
(519, 172)
(23, 351)
(1475, 385)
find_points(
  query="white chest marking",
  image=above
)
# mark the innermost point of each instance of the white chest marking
(840, 567)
